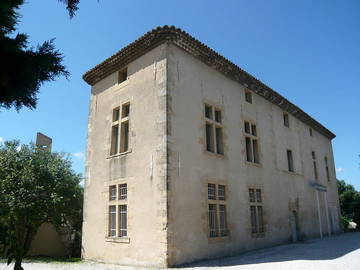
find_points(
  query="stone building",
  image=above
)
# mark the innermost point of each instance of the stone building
(190, 157)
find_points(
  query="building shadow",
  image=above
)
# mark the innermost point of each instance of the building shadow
(326, 249)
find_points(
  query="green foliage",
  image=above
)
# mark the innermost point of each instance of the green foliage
(36, 186)
(23, 70)
(349, 203)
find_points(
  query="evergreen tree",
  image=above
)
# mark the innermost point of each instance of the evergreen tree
(22, 69)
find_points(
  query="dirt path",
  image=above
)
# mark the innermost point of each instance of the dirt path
(335, 253)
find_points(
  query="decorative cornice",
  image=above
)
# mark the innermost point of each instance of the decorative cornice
(205, 54)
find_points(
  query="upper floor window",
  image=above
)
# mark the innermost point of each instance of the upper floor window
(120, 127)
(248, 96)
(314, 165)
(290, 161)
(251, 142)
(122, 75)
(286, 119)
(310, 132)
(213, 129)
(327, 169)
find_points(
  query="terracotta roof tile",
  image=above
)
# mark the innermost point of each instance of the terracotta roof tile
(199, 50)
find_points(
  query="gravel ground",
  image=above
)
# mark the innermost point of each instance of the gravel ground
(335, 253)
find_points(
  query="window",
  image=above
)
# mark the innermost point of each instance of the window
(122, 220)
(221, 192)
(248, 96)
(290, 161)
(314, 165)
(310, 132)
(251, 143)
(116, 114)
(256, 211)
(211, 191)
(118, 219)
(213, 130)
(122, 75)
(112, 193)
(124, 139)
(122, 191)
(327, 169)
(286, 119)
(112, 220)
(120, 126)
(114, 132)
(217, 214)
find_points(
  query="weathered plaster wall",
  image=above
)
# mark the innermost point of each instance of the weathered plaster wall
(191, 167)
(143, 168)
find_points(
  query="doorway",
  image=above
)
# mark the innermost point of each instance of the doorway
(294, 226)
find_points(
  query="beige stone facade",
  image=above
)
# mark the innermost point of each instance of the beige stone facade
(168, 182)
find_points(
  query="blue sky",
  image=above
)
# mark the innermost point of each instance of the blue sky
(306, 50)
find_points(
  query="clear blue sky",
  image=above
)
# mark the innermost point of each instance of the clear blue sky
(309, 51)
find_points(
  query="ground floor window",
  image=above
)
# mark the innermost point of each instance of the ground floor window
(256, 211)
(217, 214)
(118, 211)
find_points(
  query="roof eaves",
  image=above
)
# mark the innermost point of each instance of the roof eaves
(205, 54)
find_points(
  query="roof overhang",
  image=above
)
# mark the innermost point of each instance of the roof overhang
(183, 40)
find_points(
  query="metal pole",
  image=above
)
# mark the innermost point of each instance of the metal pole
(319, 214)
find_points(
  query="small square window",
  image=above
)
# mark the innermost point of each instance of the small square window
(286, 120)
(208, 112)
(122, 75)
(248, 96)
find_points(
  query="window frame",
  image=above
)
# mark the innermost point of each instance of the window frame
(252, 146)
(248, 96)
(315, 169)
(257, 224)
(214, 129)
(122, 75)
(327, 168)
(286, 119)
(116, 229)
(120, 130)
(290, 161)
(217, 214)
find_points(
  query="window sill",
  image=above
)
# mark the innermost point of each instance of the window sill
(258, 235)
(123, 84)
(119, 154)
(291, 173)
(219, 239)
(253, 164)
(214, 154)
(125, 240)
